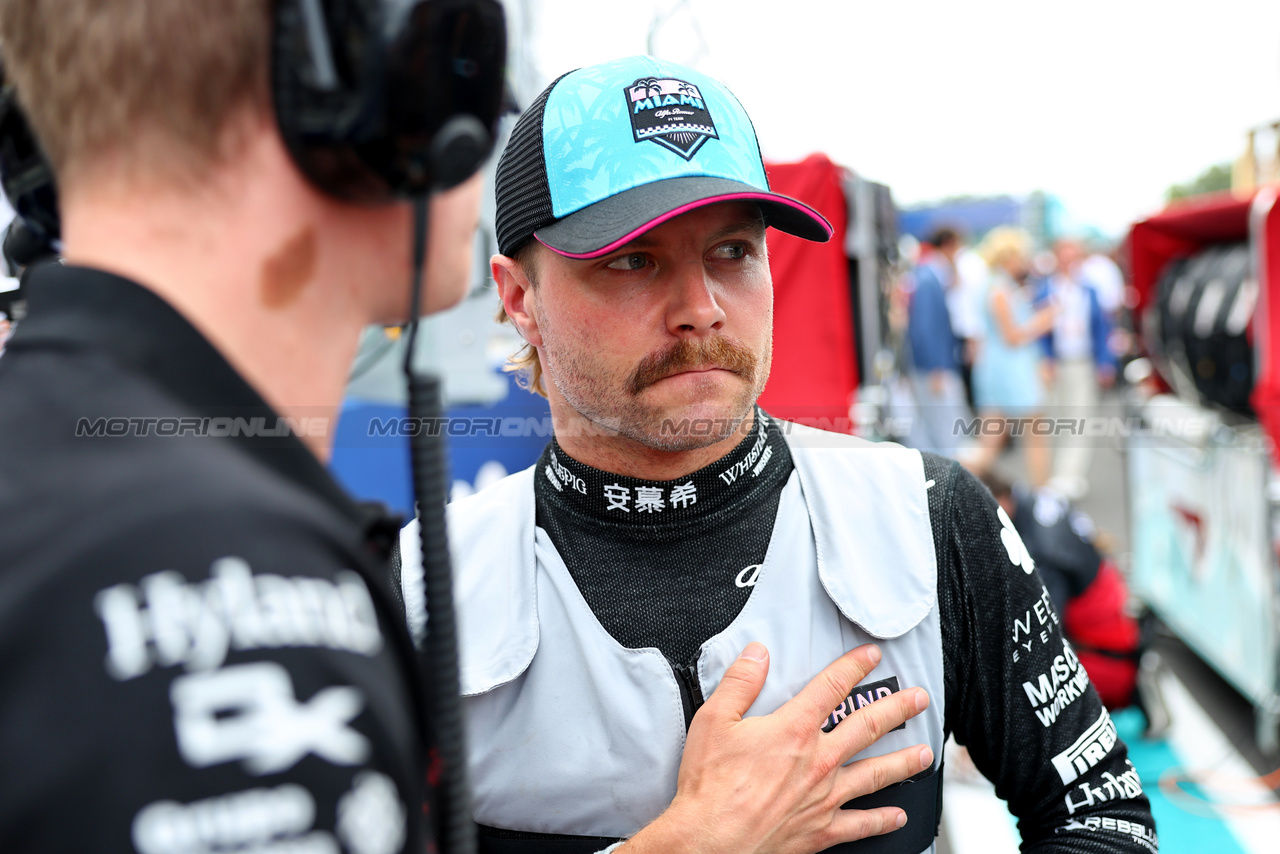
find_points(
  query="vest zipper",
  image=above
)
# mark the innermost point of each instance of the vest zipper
(690, 690)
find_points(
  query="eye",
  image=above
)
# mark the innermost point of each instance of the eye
(633, 261)
(734, 251)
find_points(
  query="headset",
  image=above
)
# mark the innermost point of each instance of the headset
(385, 99)
(25, 173)
(376, 101)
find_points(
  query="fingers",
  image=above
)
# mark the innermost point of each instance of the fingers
(741, 683)
(873, 774)
(830, 687)
(850, 825)
(865, 727)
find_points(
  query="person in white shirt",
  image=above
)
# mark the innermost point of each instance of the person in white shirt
(1082, 363)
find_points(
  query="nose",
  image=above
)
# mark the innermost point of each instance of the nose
(694, 307)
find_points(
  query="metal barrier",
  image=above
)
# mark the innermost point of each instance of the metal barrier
(1205, 524)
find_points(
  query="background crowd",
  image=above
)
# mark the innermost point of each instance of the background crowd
(1020, 340)
(1023, 345)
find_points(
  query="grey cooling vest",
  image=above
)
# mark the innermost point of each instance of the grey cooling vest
(573, 735)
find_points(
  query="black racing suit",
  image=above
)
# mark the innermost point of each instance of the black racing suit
(199, 650)
(674, 578)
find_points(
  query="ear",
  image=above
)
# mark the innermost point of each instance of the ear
(518, 297)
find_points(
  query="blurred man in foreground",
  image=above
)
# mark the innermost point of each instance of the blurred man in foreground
(677, 571)
(199, 649)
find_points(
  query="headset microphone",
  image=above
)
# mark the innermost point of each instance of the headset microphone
(390, 99)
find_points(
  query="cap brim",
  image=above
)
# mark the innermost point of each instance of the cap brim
(610, 224)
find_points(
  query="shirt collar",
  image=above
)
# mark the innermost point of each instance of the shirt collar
(944, 269)
(78, 308)
(758, 463)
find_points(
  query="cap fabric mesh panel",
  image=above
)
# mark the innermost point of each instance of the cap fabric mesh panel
(524, 200)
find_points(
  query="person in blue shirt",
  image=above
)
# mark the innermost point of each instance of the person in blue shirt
(935, 351)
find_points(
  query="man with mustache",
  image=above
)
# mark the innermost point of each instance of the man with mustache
(622, 602)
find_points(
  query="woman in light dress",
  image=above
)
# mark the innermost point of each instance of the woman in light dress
(1008, 387)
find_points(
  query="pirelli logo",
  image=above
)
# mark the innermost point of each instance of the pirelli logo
(1087, 751)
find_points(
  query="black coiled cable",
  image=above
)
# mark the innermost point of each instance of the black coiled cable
(439, 653)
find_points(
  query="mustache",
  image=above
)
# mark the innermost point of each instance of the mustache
(688, 354)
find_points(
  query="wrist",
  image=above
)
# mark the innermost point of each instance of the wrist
(675, 831)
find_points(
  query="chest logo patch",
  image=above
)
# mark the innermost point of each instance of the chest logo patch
(863, 695)
(671, 113)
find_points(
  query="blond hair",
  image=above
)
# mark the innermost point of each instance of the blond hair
(1004, 242)
(524, 363)
(152, 84)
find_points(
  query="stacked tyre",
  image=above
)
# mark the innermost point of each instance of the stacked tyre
(1199, 327)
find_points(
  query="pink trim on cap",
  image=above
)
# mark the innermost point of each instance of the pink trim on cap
(683, 209)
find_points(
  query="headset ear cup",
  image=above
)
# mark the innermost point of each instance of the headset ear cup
(458, 150)
(25, 172)
(409, 99)
(23, 246)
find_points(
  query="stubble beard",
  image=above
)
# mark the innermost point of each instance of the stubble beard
(616, 404)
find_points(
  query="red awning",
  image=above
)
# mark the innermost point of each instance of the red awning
(815, 370)
(1183, 229)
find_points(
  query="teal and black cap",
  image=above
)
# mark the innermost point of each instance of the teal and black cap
(608, 152)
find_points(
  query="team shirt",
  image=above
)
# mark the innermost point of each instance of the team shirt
(198, 646)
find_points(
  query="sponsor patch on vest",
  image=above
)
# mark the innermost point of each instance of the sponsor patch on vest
(671, 113)
(863, 695)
